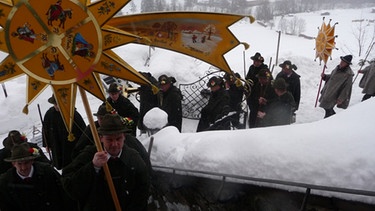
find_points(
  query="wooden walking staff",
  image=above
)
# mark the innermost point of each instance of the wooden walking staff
(368, 52)
(99, 148)
(320, 86)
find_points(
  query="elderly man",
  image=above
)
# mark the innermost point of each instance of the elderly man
(84, 179)
(30, 185)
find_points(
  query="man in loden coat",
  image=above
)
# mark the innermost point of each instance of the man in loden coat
(337, 89)
(367, 82)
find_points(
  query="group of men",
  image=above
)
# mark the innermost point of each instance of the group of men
(74, 177)
(274, 101)
(31, 181)
(271, 102)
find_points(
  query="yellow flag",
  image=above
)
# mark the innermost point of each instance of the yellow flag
(201, 35)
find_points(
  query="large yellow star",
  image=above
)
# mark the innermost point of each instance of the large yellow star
(325, 42)
(63, 44)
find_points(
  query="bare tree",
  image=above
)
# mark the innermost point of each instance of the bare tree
(362, 33)
(296, 26)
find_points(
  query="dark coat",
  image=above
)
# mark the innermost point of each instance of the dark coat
(126, 108)
(6, 153)
(90, 188)
(294, 85)
(236, 95)
(56, 136)
(265, 91)
(171, 104)
(338, 85)
(44, 192)
(86, 139)
(216, 108)
(367, 81)
(279, 111)
(253, 72)
(147, 99)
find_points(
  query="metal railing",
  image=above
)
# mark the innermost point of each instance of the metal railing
(308, 187)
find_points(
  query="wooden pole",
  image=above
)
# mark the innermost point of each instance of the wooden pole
(277, 52)
(320, 85)
(278, 47)
(368, 52)
(99, 147)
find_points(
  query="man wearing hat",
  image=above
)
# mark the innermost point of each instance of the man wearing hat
(15, 137)
(87, 139)
(279, 110)
(123, 106)
(292, 79)
(217, 106)
(261, 93)
(258, 64)
(56, 137)
(170, 101)
(337, 89)
(84, 179)
(235, 92)
(251, 76)
(31, 185)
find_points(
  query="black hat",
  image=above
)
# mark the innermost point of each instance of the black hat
(264, 73)
(288, 65)
(279, 83)
(214, 81)
(14, 137)
(52, 100)
(22, 152)
(113, 124)
(102, 110)
(164, 79)
(257, 57)
(347, 59)
(114, 88)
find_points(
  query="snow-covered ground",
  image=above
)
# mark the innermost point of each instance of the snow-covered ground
(337, 151)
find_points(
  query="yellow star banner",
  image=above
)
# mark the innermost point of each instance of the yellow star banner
(325, 42)
(63, 44)
(201, 35)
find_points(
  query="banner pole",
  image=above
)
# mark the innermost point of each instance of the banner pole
(320, 85)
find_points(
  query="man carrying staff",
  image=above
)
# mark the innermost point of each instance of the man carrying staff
(84, 179)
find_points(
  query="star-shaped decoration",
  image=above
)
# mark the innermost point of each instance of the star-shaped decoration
(63, 44)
